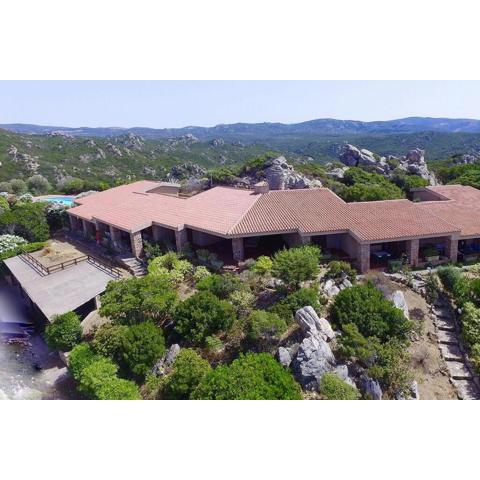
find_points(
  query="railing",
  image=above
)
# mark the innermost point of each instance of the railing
(98, 262)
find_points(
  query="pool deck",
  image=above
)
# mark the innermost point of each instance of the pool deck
(61, 291)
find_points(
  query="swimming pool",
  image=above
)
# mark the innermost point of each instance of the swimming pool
(62, 199)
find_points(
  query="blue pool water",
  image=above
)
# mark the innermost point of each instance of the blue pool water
(64, 200)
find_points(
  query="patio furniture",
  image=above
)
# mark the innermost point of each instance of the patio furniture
(381, 255)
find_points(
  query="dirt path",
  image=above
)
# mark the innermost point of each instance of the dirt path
(429, 367)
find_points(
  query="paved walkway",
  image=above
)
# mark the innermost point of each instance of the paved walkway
(461, 372)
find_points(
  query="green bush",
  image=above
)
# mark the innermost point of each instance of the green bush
(109, 339)
(201, 315)
(220, 285)
(114, 388)
(80, 358)
(188, 371)
(18, 186)
(95, 375)
(136, 300)
(334, 388)
(64, 332)
(431, 288)
(449, 276)
(288, 306)
(262, 265)
(250, 377)
(200, 273)
(265, 326)
(4, 205)
(28, 220)
(296, 265)
(352, 345)
(38, 185)
(142, 345)
(339, 270)
(242, 301)
(365, 306)
(470, 324)
(392, 368)
(213, 345)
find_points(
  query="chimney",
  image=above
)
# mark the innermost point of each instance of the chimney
(261, 187)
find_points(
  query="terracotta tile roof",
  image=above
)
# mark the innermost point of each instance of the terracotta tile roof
(233, 212)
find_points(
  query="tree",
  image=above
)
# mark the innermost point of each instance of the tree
(220, 285)
(80, 358)
(136, 300)
(333, 387)
(64, 332)
(201, 315)
(352, 345)
(365, 306)
(296, 265)
(109, 339)
(26, 220)
(188, 371)
(18, 186)
(265, 326)
(6, 187)
(38, 185)
(254, 376)
(339, 270)
(74, 185)
(142, 345)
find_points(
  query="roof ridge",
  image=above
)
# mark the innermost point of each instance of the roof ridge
(259, 195)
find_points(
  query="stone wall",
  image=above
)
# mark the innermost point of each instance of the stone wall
(238, 249)
(181, 238)
(137, 244)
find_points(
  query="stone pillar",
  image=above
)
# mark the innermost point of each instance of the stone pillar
(85, 227)
(451, 248)
(364, 257)
(115, 236)
(305, 240)
(181, 239)
(137, 244)
(73, 222)
(238, 249)
(412, 251)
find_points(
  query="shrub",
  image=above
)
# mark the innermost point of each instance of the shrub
(296, 265)
(171, 267)
(288, 306)
(10, 242)
(213, 345)
(6, 187)
(74, 185)
(392, 368)
(108, 341)
(352, 345)
(471, 324)
(64, 332)
(431, 288)
(265, 326)
(38, 185)
(200, 273)
(262, 265)
(18, 186)
(242, 301)
(143, 344)
(250, 377)
(81, 357)
(94, 376)
(449, 276)
(338, 270)
(188, 371)
(56, 215)
(136, 300)
(365, 306)
(220, 285)
(27, 220)
(114, 388)
(4, 205)
(334, 388)
(201, 315)
(462, 291)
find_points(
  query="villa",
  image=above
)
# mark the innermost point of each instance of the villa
(439, 224)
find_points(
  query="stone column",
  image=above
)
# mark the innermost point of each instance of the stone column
(137, 244)
(451, 248)
(73, 223)
(85, 227)
(364, 257)
(412, 251)
(181, 239)
(115, 235)
(238, 249)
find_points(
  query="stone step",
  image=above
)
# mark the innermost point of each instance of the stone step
(442, 312)
(447, 338)
(445, 324)
(458, 370)
(466, 389)
(451, 352)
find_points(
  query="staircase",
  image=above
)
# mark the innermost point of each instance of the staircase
(135, 266)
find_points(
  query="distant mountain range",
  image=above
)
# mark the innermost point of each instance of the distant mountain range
(258, 132)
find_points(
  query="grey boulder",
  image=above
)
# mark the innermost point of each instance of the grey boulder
(310, 322)
(370, 387)
(398, 299)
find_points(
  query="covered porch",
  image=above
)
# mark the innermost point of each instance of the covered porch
(469, 249)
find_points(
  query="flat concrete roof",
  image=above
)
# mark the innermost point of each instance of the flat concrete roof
(60, 291)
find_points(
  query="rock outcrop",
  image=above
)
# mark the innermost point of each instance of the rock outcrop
(281, 176)
(311, 323)
(398, 299)
(166, 362)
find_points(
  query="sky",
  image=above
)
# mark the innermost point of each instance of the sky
(161, 104)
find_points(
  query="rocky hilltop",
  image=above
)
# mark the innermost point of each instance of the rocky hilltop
(412, 163)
